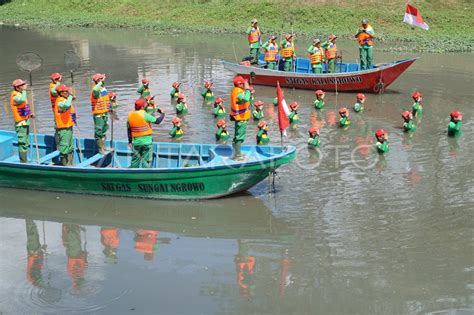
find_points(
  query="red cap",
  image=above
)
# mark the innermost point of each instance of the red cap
(455, 114)
(258, 103)
(62, 88)
(319, 92)
(176, 84)
(55, 76)
(262, 124)
(343, 110)
(218, 100)
(112, 95)
(380, 133)
(98, 76)
(140, 103)
(416, 94)
(18, 83)
(145, 81)
(221, 123)
(176, 120)
(406, 114)
(313, 131)
(239, 80)
(294, 105)
(208, 85)
(288, 36)
(360, 96)
(181, 96)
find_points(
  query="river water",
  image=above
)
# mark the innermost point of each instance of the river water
(345, 233)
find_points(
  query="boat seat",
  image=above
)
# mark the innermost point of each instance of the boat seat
(303, 65)
(92, 159)
(352, 67)
(48, 157)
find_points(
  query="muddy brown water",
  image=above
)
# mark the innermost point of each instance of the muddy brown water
(345, 233)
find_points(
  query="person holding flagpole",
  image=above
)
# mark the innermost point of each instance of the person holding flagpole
(365, 37)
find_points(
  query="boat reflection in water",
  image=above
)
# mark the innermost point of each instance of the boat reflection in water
(91, 242)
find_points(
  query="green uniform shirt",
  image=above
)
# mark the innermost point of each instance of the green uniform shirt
(174, 93)
(454, 128)
(181, 108)
(207, 94)
(417, 109)
(254, 45)
(53, 89)
(143, 91)
(222, 134)
(144, 140)
(314, 142)
(319, 104)
(176, 132)
(262, 137)
(358, 107)
(344, 122)
(257, 114)
(409, 126)
(293, 117)
(219, 112)
(382, 147)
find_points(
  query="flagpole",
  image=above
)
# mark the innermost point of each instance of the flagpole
(281, 138)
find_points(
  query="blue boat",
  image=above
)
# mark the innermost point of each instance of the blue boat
(178, 170)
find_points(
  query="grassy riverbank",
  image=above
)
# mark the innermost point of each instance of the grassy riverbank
(450, 21)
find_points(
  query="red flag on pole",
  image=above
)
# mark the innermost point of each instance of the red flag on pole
(413, 17)
(283, 111)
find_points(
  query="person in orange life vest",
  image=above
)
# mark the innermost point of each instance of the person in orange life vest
(145, 242)
(288, 52)
(365, 37)
(110, 239)
(65, 118)
(21, 114)
(240, 112)
(35, 254)
(140, 134)
(271, 52)
(76, 256)
(330, 51)
(175, 90)
(254, 39)
(55, 82)
(316, 56)
(144, 89)
(245, 267)
(100, 103)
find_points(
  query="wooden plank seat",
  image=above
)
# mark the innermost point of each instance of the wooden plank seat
(93, 159)
(48, 157)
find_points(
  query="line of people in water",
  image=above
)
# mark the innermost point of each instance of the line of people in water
(243, 107)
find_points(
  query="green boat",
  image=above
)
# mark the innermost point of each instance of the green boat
(179, 170)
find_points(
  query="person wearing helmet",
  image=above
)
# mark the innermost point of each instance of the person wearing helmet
(144, 89)
(293, 116)
(417, 108)
(408, 122)
(21, 114)
(219, 109)
(313, 140)
(288, 52)
(100, 102)
(359, 104)
(319, 102)
(176, 132)
(254, 38)
(55, 81)
(344, 121)
(271, 51)
(207, 93)
(240, 112)
(181, 106)
(382, 141)
(257, 113)
(262, 134)
(365, 37)
(175, 90)
(330, 52)
(222, 134)
(454, 126)
(65, 118)
(316, 56)
(139, 133)
(252, 95)
(150, 106)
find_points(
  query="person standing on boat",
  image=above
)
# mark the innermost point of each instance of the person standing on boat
(254, 39)
(100, 102)
(65, 118)
(288, 52)
(330, 51)
(53, 94)
(21, 114)
(271, 52)
(365, 37)
(140, 134)
(144, 89)
(316, 56)
(240, 111)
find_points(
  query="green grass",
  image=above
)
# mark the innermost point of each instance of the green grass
(451, 23)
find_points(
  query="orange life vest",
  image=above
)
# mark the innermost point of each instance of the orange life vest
(64, 119)
(76, 267)
(317, 56)
(331, 51)
(138, 125)
(100, 105)
(271, 52)
(35, 264)
(52, 98)
(240, 112)
(365, 38)
(109, 237)
(245, 268)
(20, 112)
(145, 241)
(288, 51)
(254, 35)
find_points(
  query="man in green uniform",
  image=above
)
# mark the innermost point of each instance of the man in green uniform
(222, 134)
(288, 52)
(417, 108)
(382, 141)
(181, 106)
(21, 114)
(293, 116)
(408, 121)
(140, 134)
(365, 36)
(344, 121)
(254, 39)
(176, 132)
(454, 126)
(262, 134)
(359, 105)
(219, 109)
(330, 50)
(316, 56)
(319, 102)
(207, 93)
(271, 52)
(175, 90)
(144, 89)
(240, 112)
(65, 118)
(257, 113)
(313, 140)
(100, 103)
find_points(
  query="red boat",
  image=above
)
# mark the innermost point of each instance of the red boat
(348, 77)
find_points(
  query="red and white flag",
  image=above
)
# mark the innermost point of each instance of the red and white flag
(283, 111)
(413, 17)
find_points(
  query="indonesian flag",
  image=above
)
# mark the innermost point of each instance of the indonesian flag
(283, 111)
(413, 17)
